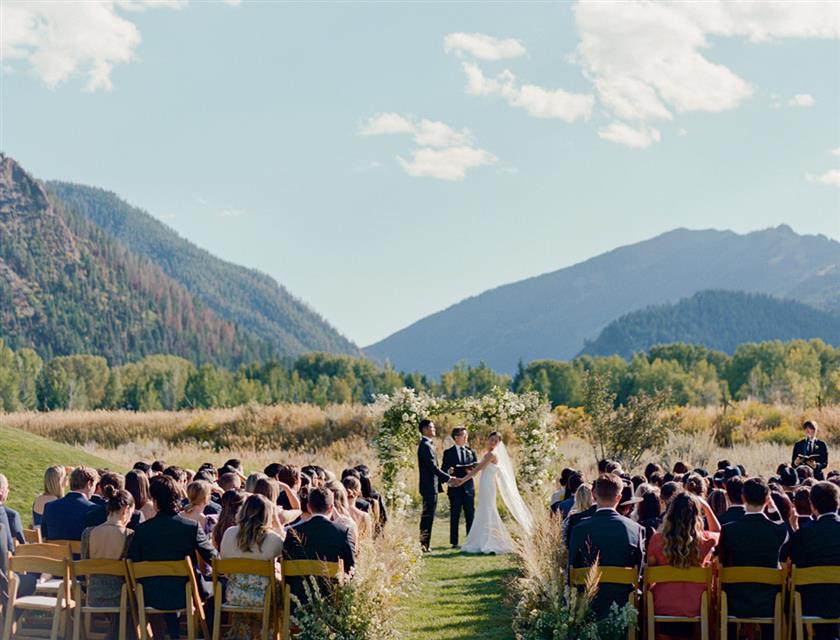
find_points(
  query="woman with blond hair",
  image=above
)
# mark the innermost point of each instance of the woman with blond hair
(683, 542)
(341, 507)
(55, 479)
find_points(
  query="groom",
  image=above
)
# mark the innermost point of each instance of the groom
(458, 460)
(431, 480)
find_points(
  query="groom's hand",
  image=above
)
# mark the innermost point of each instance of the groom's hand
(455, 482)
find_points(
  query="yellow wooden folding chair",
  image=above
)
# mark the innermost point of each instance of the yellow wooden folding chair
(613, 575)
(696, 575)
(32, 535)
(85, 611)
(244, 566)
(753, 575)
(59, 605)
(804, 577)
(303, 569)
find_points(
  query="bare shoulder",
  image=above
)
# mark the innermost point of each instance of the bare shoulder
(491, 457)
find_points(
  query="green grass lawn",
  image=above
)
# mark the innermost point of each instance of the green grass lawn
(461, 596)
(23, 459)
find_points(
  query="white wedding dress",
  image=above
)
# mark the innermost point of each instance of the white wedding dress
(488, 533)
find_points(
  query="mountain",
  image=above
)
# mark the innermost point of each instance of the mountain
(253, 301)
(551, 316)
(719, 320)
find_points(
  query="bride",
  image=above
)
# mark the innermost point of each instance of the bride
(488, 533)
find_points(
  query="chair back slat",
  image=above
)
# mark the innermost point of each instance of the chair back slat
(160, 569)
(753, 575)
(44, 550)
(247, 566)
(316, 568)
(697, 575)
(75, 545)
(100, 567)
(815, 575)
(37, 564)
(608, 575)
(32, 535)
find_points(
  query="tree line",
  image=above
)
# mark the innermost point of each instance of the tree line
(797, 372)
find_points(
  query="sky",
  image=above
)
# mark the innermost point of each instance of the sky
(384, 161)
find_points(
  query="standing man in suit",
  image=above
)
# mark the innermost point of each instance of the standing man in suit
(64, 519)
(753, 541)
(9, 517)
(432, 478)
(811, 451)
(819, 545)
(458, 460)
(608, 538)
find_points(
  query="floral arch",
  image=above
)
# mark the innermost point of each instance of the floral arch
(396, 440)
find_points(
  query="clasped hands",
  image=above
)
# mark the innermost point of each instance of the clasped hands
(456, 482)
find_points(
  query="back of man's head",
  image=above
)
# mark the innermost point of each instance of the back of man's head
(735, 489)
(754, 491)
(825, 497)
(574, 481)
(320, 500)
(607, 489)
(83, 477)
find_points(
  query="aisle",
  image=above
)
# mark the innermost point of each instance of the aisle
(461, 596)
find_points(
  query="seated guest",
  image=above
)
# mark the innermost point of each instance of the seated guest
(271, 489)
(137, 484)
(229, 482)
(583, 507)
(561, 493)
(64, 519)
(157, 468)
(9, 517)
(802, 505)
(360, 502)
(734, 488)
(170, 536)
(252, 480)
(232, 502)
(649, 513)
(694, 483)
(669, 490)
(288, 475)
(198, 495)
(564, 506)
(819, 545)
(142, 467)
(55, 478)
(208, 475)
(109, 541)
(318, 538)
(752, 541)
(371, 495)
(652, 468)
(361, 518)
(109, 483)
(718, 502)
(341, 508)
(682, 542)
(252, 537)
(608, 538)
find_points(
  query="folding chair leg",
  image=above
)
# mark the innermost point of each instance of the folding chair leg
(651, 619)
(217, 612)
(704, 617)
(724, 615)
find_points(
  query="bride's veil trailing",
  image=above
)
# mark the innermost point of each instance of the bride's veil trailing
(510, 492)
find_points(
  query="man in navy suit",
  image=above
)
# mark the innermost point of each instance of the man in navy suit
(9, 517)
(64, 519)
(432, 478)
(458, 460)
(608, 538)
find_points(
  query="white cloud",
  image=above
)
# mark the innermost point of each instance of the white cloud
(482, 46)
(622, 133)
(802, 100)
(231, 212)
(427, 133)
(830, 178)
(445, 164)
(232, 3)
(836, 151)
(385, 123)
(536, 100)
(59, 40)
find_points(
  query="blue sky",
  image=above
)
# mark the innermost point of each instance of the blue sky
(552, 133)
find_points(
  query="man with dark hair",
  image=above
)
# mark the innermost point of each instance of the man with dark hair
(753, 540)
(734, 491)
(609, 539)
(229, 481)
(819, 545)
(64, 519)
(810, 451)
(272, 469)
(432, 478)
(157, 467)
(145, 467)
(458, 460)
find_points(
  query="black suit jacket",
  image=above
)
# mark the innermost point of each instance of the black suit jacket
(613, 540)
(432, 476)
(752, 541)
(820, 450)
(450, 460)
(732, 514)
(12, 526)
(318, 539)
(575, 519)
(168, 537)
(64, 519)
(819, 545)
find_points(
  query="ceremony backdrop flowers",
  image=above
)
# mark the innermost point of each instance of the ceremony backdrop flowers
(396, 439)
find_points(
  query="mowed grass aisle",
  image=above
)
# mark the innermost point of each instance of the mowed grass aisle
(461, 596)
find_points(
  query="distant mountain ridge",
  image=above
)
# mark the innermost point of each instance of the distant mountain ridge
(552, 315)
(718, 320)
(252, 300)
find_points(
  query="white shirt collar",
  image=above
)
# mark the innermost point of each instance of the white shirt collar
(823, 515)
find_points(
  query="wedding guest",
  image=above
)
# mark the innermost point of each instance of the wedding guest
(802, 505)
(157, 467)
(753, 541)
(734, 488)
(652, 468)
(109, 541)
(717, 501)
(251, 481)
(9, 517)
(64, 519)
(109, 482)
(229, 482)
(574, 481)
(819, 545)
(231, 502)
(341, 508)
(583, 507)
(271, 489)
(608, 538)
(137, 484)
(55, 479)
(682, 542)
(143, 467)
(288, 475)
(649, 513)
(372, 496)
(361, 518)
(198, 494)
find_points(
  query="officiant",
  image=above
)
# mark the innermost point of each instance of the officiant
(457, 461)
(810, 451)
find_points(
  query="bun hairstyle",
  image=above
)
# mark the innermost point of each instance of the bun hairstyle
(495, 433)
(117, 499)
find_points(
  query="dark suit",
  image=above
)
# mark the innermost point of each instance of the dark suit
(612, 540)
(819, 545)
(732, 514)
(818, 448)
(64, 519)
(463, 497)
(432, 478)
(752, 541)
(12, 528)
(318, 539)
(575, 519)
(98, 515)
